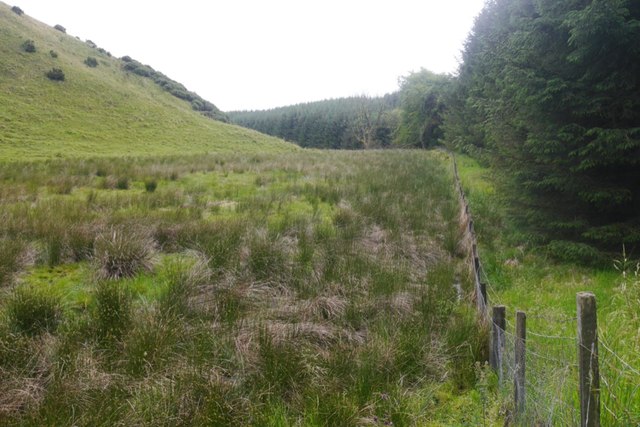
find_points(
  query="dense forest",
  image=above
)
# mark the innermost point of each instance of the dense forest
(349, 123)
(410, 117)
(548, 94)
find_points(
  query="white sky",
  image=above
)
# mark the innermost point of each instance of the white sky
(255, 54)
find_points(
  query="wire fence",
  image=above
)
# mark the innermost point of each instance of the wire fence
(553, 375)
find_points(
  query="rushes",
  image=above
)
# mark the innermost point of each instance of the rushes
(121, 253)
(11, 259)
(33, 311)
(306, 289)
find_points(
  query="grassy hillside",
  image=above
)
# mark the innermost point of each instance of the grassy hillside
(99, 110)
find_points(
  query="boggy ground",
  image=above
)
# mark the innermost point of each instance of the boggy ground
(308, 288)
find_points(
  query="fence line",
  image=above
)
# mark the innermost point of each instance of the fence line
(562, 382)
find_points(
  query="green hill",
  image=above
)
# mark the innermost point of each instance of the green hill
(102, 110)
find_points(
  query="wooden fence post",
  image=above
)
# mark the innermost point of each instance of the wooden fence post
(588, 360)
(483, 294)
(498, 326)
(520, 357)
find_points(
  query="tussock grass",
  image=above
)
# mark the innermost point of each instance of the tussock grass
(313, 288)
(121, 253)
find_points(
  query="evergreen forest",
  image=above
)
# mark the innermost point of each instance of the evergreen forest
(547, 94)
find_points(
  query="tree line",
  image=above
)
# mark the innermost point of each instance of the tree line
(343, 123)
(547, 94)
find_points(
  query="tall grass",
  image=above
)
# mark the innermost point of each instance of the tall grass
(313, 288)
(521, 275)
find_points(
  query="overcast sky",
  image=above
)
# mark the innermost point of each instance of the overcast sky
(256, 54)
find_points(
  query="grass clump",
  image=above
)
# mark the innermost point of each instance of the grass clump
(122, 183)
(33, 311)
(11, 251)
(121, 253)
(150, 185)
(113, 315)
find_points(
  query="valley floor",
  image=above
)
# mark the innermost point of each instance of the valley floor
(296, 288)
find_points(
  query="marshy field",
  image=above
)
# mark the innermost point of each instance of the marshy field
(301, 288)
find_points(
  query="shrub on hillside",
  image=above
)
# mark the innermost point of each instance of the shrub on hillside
(55, 74)
(137, 68)
(60, 28)
(174, 88)
(91, 44)
(53, 53)
(121, 253)
(91, 62)
(29, 46)
(17, 10)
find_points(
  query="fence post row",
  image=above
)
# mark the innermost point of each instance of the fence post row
(589, 383)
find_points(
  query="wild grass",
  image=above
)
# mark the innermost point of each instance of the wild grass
(311, 288)
(522, 276)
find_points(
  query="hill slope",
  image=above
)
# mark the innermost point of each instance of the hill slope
(101, 110)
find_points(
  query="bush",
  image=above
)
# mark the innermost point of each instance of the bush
(150, 185)
(17, 10)
(121, 253)
(126, 58)
(60, 28)
(55, 74)
(29, 46)
(574, 252)
(91, 62)
(33, 311)
(53, 53)
(91, 44)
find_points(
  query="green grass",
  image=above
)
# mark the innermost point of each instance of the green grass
(301, 288)
(522, 276)
(101, 111)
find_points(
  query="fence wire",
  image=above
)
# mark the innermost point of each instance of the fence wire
(551, 369)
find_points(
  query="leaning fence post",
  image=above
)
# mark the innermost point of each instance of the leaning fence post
(498, 326)
(588, 360)
(520, 353)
